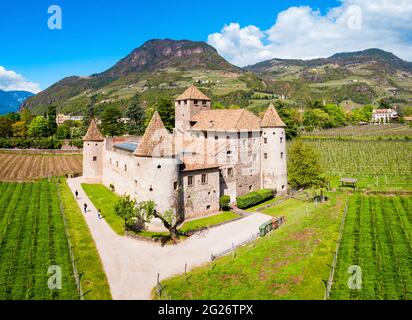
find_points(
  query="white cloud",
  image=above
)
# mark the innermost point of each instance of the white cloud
(10, 80)
(306, 33)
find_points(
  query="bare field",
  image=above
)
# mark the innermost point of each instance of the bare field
(28, 167)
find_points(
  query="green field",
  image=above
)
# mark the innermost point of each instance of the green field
(32, 238)
(289, 263)
(104, 199)
(379, 165)
(377, 237)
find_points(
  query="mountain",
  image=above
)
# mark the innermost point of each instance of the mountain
(156, 62)
(164, 68)
(10, 101)
(355, 77)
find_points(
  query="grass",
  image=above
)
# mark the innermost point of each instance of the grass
(208, 221)
(377, 237)
(289, 263)
(104, 199)
(93, 281)
(32, 238)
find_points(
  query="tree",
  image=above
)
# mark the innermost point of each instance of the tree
(5, 127)
(19, 129)
(26, 115)
(166, 112)
(13, 116)
(112, 124)
(136, 114)
(51, 119)
(39, 127)
(132, 213)
(304, 166)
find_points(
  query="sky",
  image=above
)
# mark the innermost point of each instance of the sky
(94, 35)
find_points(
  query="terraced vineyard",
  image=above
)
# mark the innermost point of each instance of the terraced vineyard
(27, 167)
(32, 238)
(377, 237)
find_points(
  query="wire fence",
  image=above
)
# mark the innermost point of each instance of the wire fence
(335, 258)
(66, 231)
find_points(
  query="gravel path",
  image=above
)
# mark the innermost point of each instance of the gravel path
(132, 265)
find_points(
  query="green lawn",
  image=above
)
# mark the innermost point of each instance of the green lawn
(104, 199)
(289, 263)
(93, 281)
(208, 221)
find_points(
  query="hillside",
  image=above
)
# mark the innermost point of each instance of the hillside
(165, 65)
(164, 68)
(10, 101)
(358, 77)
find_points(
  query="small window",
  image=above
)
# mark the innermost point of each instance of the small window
(135, 183)
(175, 185)
(195, 101)
(190, 180)
(230, 172)
(204, 178)
(244, 142)
(227, 137)
(204, 102)
(110, 160)
(250, 188)
(125, 167)
(281, 155)
(273, 132)
(159, 166)
(208, 207)
(265, 140)
(265, 155)
(283, 186)
(249, 135)
(254, 157)
(281, 139)
(216, 137)
(117, 164)
(151, 189)
(94, 158)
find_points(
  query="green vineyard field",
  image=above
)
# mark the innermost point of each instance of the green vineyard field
(32, 238)
(377, 238)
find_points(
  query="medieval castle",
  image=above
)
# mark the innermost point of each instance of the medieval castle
(209, 153)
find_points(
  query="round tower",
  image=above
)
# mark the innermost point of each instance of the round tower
(273, 157)
(93, 144)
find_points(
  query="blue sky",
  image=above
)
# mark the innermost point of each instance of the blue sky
(96, 34)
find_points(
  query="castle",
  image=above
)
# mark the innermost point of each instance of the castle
(209, 153)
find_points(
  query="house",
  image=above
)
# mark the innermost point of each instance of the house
(210, 153)
(384, 115)
(61, 118)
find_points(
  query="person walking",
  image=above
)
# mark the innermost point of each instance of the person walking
(77, 194)
(85, 207)
(99, 213)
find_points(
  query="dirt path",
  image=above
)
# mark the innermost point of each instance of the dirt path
(132, 265)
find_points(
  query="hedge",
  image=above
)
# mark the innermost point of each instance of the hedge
(224, 202)
(253, 198)
(38, 143)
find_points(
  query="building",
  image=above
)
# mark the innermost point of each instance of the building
(61, 118)
(209, 153)
(384, 115)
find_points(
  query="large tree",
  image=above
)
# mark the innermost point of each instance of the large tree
(112, 124)
(39, 127)
(136, 116)
(166, 112)
(5, 127)
(304, 169)
(51, 119)
(19, 129)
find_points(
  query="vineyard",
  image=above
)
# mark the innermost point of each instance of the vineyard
(32, 238)
(27, 167)
(367, 131)
(377, 237)
(378, 164)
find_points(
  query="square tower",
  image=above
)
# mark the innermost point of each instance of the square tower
(188, 104)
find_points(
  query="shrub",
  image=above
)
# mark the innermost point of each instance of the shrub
(253, 198)
(224, 202)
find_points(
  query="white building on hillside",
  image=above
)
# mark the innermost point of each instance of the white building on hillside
(384, 115)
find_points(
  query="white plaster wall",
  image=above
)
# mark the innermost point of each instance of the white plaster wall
(274, 168)
(92, 169)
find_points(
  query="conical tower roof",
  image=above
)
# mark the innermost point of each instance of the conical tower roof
(93, 133)
(192, 93)
(156, 141)
(271, 118)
